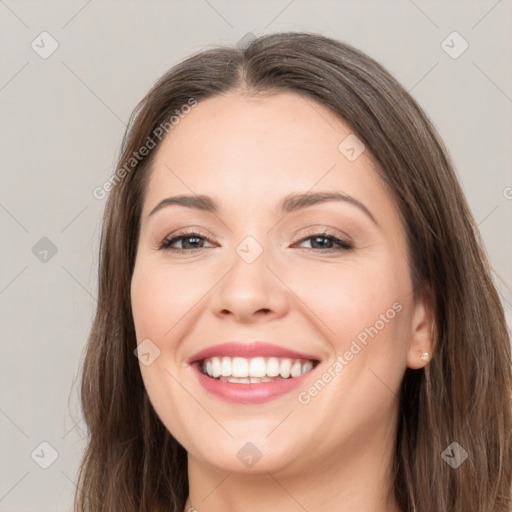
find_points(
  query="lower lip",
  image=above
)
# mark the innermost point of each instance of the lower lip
(249, 393)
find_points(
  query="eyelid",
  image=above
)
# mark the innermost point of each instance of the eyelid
(182, 233)
(323, 229)
(343, 242)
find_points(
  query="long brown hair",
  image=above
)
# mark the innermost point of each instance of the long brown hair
(132, 463)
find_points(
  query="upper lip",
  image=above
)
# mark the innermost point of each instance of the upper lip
(249, 350)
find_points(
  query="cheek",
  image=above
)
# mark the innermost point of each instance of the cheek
(363, 312)
(359, 302)
(161, 297)
(146, 296)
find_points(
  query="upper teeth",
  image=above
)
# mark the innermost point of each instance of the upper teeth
(255, 367)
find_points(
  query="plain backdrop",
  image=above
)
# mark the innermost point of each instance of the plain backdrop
(62, 118)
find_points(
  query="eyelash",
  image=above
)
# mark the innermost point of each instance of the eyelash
(167, 242)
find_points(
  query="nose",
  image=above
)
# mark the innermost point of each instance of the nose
(250, 292)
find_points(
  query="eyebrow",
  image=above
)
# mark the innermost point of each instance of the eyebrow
(288, 204)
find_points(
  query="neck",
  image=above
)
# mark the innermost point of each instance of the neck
(356, 476)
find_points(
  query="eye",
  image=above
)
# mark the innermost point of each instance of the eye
(191, 241)
(327, 242)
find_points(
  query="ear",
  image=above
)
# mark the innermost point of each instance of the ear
(423, 330)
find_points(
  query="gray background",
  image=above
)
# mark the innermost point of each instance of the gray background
(62, 119)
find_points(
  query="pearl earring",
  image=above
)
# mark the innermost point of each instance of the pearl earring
(425, 357)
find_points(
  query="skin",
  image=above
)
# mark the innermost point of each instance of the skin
(335, 452)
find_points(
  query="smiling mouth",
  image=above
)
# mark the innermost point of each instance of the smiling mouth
(241, 370)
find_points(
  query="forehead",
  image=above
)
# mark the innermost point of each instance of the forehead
(248, 151)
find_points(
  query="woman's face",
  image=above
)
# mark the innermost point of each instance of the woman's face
(305, 305)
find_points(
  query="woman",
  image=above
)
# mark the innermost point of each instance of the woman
(288, 253)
